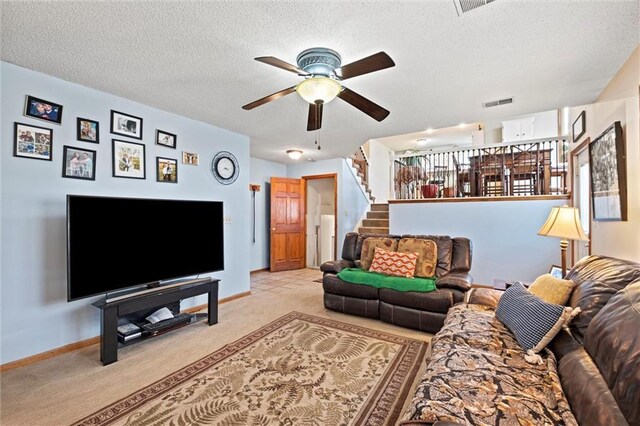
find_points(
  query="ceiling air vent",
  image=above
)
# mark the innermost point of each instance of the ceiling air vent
(463, 6)
(504, 101)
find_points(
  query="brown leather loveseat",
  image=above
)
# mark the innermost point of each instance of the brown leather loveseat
(420, 311)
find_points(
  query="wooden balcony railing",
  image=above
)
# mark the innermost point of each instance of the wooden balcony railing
(362, 164)
(525, 169)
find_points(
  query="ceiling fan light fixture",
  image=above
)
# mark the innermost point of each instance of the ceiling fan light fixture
(321, 88)
(294, 154)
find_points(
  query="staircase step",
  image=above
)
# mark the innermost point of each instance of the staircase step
(377, 215)
(381, 223)
(373, 230)
(379, 207)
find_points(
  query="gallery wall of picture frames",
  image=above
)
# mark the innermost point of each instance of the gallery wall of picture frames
(128, 158)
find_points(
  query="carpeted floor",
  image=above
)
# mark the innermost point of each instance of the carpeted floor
(72, 386)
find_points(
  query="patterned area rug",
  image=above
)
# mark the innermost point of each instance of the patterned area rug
(297, 370)
(319, 280)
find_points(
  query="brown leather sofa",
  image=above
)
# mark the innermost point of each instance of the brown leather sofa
(598, 356)
(420, 311)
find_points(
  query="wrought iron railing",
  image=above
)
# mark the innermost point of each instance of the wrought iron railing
(524, 169)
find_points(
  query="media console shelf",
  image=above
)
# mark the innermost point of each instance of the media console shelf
(111, 310)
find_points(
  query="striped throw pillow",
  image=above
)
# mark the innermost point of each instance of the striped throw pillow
(533, 321)
(394, 263)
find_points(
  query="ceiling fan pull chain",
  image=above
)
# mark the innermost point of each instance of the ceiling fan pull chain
(317, 138)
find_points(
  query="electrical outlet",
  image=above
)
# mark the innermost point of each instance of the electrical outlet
(227, 219)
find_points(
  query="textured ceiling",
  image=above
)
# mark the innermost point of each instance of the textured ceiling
(196, 59)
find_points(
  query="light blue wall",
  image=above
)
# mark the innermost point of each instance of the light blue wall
(504, 234)
(261, 173)
(35, 315)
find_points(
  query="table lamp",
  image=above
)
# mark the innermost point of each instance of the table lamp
(564, 222)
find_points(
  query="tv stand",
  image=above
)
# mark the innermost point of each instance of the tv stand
(111, 310)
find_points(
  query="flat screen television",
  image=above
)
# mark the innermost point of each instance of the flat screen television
(119, 243)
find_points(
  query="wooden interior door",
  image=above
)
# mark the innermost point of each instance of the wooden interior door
(287, 224)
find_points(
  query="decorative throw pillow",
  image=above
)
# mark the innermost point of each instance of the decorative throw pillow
(368, 249)
(551, 289)
(427, 255)
(533, 321)
(394, 263)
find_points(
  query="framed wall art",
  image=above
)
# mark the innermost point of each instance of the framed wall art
(32, 142)
(166, 170)
(126, 125)
(190, 158)
(579, 127)
(78, 163)
(128, 159)
(556, 271)
(43, 110)
(166, 139)
(88, 130)
(608, 175)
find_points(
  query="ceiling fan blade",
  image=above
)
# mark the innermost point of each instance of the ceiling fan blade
(315, 116)
(363, 104)
(269, 98)
(372, 63)
(279, 63)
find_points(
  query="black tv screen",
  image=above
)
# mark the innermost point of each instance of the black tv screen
(117, 243)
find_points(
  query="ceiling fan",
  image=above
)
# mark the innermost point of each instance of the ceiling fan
(323, 73)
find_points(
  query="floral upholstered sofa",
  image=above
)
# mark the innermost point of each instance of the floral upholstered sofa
(477, 373)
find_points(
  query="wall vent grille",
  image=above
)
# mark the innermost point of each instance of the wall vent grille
(504, 101)
(463, 6)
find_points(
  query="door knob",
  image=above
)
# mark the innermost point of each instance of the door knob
(273, 229)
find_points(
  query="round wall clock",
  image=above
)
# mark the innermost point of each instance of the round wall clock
(225, 168)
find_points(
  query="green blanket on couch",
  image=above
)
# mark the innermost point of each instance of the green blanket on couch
(374, 279)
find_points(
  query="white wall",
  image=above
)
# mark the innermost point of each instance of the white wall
(260, 174)
(379, 171)
(35, 315)
(618, 102)
(503, 233)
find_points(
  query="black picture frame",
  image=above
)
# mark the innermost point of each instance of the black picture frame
(579, 126)
(88, 130)
(607, 167)
(124, 124)
(78, 163)
(32, 142)
(165, 175)
(42, 109)
(128, 159)
(166, 139)
(556, 271)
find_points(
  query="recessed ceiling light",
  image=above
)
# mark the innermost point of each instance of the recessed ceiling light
(461, 125)
(430, 130)
(294, 154)
(422, 141)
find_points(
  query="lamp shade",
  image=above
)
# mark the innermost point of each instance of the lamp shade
(323, 89)
(564, 222)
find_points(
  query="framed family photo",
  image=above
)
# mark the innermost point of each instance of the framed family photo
(78, 163)
(190, 158)
(88, 130)
(32, 142)
(607, 164)
(128, 160)
(166, 139)
(166, 170)
(126, 125)
(43, 110)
